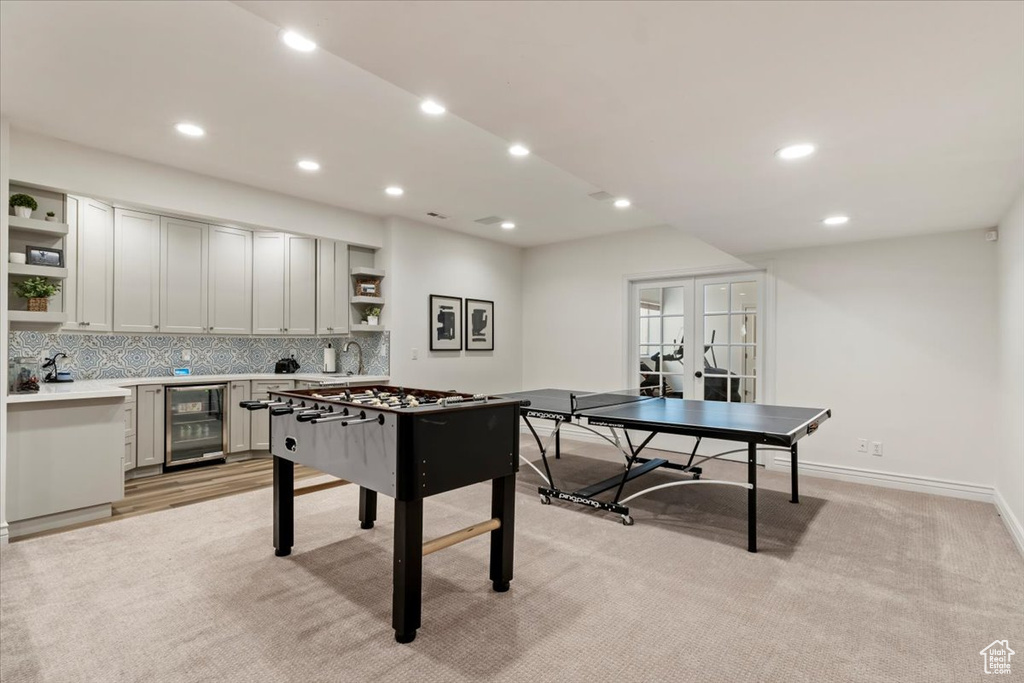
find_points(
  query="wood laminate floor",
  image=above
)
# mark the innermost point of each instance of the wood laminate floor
(175, 489)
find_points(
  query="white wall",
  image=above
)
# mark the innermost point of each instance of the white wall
(574, 302)
(65, 166)
(422, 260)
(1010, 366)
(5, 133)
(897, 337)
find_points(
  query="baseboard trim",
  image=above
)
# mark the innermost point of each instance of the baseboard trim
(56, 520)
(905, 482)
(4, 534)
(1013, 525)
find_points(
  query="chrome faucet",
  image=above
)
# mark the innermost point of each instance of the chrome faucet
(359, 349)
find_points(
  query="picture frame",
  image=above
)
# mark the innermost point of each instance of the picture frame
(479, 325)
(44, 256)
(445, 323)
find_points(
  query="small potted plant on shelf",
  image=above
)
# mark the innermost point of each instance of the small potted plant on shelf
(38, 291)
(23, 205)
(373, 315)
(51, 216)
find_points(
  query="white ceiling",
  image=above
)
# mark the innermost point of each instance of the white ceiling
(917, 108)
(119, 75)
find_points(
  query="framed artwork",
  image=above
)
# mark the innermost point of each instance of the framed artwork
(479, 325)
(445, 323)
(41, 256)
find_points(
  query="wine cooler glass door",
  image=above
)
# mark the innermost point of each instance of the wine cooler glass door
(195, 423)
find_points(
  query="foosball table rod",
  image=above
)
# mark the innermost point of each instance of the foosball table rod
(472, 531)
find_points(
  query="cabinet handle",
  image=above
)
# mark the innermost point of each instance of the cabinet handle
(286, 329)
(156, 327)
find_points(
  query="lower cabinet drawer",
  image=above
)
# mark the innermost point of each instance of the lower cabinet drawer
(129, 453)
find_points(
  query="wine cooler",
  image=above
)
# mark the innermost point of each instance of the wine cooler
(196, 424)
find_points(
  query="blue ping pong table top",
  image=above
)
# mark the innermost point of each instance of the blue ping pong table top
(782, 425)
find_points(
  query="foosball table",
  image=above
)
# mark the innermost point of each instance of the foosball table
(408, 444)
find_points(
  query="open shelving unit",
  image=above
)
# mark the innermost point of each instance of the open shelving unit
(363, 269)
(36, 232)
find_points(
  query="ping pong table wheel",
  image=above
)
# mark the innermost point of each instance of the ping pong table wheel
(627, 520)
(696, 476)
(545, 500)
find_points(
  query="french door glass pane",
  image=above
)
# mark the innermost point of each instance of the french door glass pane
(716, 298)
(671, 361)
(650, 330)
(742, 360)
(747, 390)
(716, 329)
(675, 386)
(673, 301)
(744, 294)
(672, 330)
(744, 328)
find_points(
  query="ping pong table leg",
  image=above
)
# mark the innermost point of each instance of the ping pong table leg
(752, 497)
(792, 474)
(408, 569)
(284, 506)
(367, 507)
(558, 443)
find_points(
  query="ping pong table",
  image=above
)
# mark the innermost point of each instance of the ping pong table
(761, 427)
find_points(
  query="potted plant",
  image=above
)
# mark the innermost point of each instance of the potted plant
(51, 216)
(38, 291)
(373, 315)
(23, 205)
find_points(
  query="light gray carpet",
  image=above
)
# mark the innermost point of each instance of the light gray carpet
(854, 584)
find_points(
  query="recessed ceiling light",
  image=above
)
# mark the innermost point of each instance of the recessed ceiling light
(622, 203)
(797, 151)
(297, 41)
(431, 107)
(518, 150)
(308, 165)
(836, 220)
(394, 191)
(508, 225)
(190, 129)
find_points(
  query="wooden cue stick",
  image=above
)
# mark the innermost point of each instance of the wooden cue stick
(319, 487)
(442, 542)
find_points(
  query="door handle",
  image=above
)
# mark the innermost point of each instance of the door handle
(698, 374)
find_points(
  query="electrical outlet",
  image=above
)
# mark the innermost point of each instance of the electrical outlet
(862, 445)
(876, 448)
(415, 354)
(186, 354)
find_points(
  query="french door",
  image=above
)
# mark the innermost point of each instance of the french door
(697, 338)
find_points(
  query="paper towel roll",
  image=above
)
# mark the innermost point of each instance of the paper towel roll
(330, 359)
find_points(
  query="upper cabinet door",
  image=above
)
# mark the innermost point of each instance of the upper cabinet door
(268, 283)
(331, 289)
(136, 271)
(183, 273)
(301, 290)
(94, 278)
(230, 280)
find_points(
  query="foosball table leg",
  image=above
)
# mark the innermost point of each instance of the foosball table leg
(367, 507)
(503, 508)
(284, 506)
(408, 569)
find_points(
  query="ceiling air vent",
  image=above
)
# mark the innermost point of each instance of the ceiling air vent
(490, 220)
(434, 214)
(600, 196)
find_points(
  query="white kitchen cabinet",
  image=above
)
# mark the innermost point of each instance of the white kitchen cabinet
(149, 433)
(129, 432)
(260, 439)
(332, 287)
(300, 301)
(136, 271)
(89, 289)
(239, 419)
(268, 289)
(230, 282)
(184, 260)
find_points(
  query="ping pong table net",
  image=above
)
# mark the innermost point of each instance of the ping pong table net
(582, 403)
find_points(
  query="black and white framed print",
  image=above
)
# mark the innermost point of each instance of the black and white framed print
(42, 256)
(479, 325)
(445, 323)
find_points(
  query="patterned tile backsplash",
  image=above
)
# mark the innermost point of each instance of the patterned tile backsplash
(101, 356)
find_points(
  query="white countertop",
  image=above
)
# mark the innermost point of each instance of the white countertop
(113, 388)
